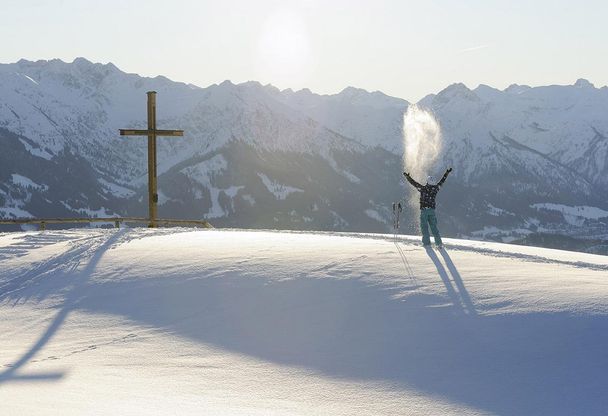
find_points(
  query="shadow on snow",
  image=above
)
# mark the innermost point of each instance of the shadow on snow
(516, 364)
(70, 260)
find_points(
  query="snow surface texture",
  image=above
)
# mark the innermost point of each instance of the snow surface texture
(138, 321)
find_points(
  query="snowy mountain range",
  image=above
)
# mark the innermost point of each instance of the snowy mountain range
(527, 161)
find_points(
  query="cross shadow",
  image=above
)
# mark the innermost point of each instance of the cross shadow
(70, 303)
(460, 298)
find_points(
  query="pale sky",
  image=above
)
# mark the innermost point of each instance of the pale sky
(404, 48)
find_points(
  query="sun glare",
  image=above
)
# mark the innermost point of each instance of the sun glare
(284, 54)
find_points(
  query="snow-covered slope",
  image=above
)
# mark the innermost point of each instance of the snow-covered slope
(81, 106)
(564, 126)
(374, 119)
(525, 146)
(139, 321)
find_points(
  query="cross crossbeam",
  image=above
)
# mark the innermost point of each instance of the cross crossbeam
(124, 132)
(152, 133)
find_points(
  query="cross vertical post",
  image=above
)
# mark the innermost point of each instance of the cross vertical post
(152, 185)
(152, 133)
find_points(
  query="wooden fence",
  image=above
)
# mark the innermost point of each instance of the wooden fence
(42, 222)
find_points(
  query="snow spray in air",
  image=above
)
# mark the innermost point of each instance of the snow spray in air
(422, 143)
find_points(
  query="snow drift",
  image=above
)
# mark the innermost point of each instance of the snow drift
(170, 321)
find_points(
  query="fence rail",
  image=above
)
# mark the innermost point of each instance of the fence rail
(42, 222)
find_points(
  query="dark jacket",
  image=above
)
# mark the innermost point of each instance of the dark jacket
(428, 193)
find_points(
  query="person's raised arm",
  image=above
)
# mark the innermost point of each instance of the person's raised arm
(410, 180)
(445, 176)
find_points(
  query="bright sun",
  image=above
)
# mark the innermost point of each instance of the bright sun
(284, 53)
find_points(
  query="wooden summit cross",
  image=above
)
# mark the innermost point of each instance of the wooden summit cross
(151, 132)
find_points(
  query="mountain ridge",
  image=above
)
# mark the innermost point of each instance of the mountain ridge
(538, 145)
(579, 82)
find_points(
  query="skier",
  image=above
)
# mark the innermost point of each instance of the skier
(428, 218)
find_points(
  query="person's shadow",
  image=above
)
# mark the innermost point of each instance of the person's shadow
(458, 295)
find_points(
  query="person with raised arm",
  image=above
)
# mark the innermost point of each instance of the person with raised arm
(428, 218)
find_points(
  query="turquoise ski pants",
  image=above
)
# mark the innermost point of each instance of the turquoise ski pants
(428, 218)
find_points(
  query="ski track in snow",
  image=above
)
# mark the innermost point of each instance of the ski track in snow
(515, 252)
(175, 321)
